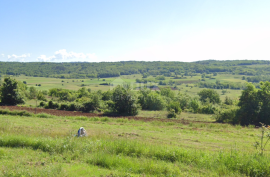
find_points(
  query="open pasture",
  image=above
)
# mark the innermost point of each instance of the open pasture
(121, 147)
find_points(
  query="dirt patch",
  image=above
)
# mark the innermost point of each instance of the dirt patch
(75, 113)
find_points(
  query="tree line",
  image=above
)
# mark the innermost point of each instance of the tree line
(114, 69)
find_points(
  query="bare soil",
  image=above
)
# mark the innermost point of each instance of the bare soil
(75, 113)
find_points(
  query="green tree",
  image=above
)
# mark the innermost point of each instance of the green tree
(32, 92)
(10, 92)
(250, 106)
(125, 101)
(211, 94)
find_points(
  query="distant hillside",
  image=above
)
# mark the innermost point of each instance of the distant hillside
(114, 69)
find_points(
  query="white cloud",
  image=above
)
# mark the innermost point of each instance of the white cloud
(3, 55)
(63, 55)
(20, 58)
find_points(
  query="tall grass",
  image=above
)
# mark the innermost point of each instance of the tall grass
(139, 156)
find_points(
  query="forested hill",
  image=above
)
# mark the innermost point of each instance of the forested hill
(113, 69)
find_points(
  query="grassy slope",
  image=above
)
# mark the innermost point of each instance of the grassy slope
(121, 147)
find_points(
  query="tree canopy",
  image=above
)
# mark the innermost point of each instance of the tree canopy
(11, 93)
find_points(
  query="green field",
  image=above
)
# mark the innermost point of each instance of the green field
(94, 84)
(31, 146)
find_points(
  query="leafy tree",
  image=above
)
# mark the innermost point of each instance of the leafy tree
(250, 106)
(32, 92)
(125, 101)
(10, 92)
(223, 92)
(212, 95)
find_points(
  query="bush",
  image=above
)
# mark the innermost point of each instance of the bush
(227, 116)
(195, 105)
(64, 106)
(91, 104)
(52, 105)
(152, 101)
(174, 106)
(41, 104)
(171, 114)
(74, 107)
(208, 108)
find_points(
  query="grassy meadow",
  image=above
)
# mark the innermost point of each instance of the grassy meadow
(188, 85)
(33, 146)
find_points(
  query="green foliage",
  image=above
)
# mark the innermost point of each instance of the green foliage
(160, 78)
(125, 101)
(264, 137)
(167, 92)
(91, 104)
(174, 106)
(208, 108)
(249, 104)
(195, 105)
(11, 93)
(19, 113)
(151, 100)
(228, 101)
(40, 96)
(184, 100)
(254, 104)
(171, 113)
(52, 105)
(210, 94)
(107, 95)
(32, 93)
(227, 115)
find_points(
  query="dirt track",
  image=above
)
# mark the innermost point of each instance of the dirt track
(72, 113)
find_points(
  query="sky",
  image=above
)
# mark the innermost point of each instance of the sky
(141, 30)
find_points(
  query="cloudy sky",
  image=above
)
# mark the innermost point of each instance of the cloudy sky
(143, 30)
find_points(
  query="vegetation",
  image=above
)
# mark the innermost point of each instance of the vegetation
(47, 147)
(106, 69)
(230, 92)
(11, 92)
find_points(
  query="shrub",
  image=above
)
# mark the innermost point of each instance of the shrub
(91, 104)
(152, 101)
(171, 114)
(75, 107)
(208, 108)
(227, 116)
(174, 106)
(64, 106)
(41, 104)
(195, 105)
(52, 105)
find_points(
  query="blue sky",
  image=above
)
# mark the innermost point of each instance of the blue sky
(143, 30)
